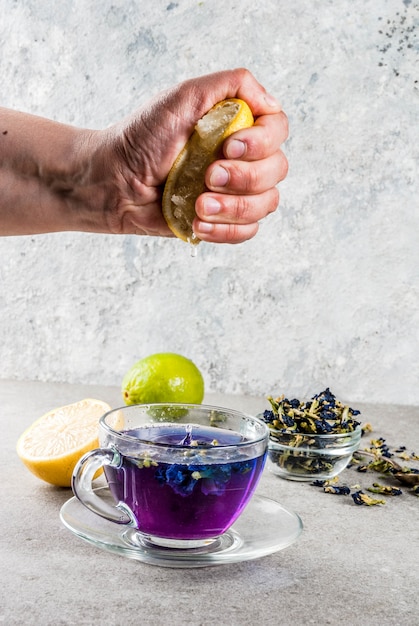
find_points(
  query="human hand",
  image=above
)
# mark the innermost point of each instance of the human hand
(141, 149)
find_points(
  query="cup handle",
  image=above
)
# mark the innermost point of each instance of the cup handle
(81, 483)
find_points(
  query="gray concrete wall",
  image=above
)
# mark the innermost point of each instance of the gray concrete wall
(327, 294)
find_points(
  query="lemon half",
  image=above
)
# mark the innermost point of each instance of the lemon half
(186, 179)
(52, 445)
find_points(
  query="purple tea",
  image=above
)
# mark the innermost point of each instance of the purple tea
(195, 498)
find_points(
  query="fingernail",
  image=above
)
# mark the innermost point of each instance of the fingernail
(204, 227)
(219, 177)
(211, 206)
(235, 149)
(271, 101)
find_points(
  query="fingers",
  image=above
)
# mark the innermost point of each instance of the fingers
(223, 208)
(227, 233)
(206, 91)
(177, 110)
(254, 160)
(258, 141)
(237, 177)
(227, 218)
(242, 187)
(250, 90)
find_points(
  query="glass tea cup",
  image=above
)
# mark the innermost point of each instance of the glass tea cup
(180, 474)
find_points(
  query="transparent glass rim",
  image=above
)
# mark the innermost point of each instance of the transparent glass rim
(352, 434)
(179, 405)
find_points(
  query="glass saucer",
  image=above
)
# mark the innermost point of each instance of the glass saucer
(263, 528)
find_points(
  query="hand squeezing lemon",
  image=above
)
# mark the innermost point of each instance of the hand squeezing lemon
(186, 179)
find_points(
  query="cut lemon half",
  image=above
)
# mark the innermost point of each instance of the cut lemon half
(186, 179)
(52, 445)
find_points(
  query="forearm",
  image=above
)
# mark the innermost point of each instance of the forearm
(48, 178)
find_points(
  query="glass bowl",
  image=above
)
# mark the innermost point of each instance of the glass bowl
(304, 457)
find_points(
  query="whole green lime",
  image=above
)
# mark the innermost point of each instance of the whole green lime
(163, 377)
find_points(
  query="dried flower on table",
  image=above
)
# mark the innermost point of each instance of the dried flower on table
(359, 497)
(354, 462)
(337, 490)
(329, 486)
(366, 428)
(381, 465)
(385, 489)
(379, 446)
(404, 455)
(384, 463)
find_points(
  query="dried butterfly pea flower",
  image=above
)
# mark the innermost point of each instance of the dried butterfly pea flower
(359, 497)
(296, 463)
(213, 478)
(402, 452)
(405, 456)
(319, 483)
(338, 490)
(366, 428)
(384, 463)
(330, 486)
(294, 424)
(325, 482)
(322, 414)
(385, 489)
(379, 446)
(381, 465)
(388, 466)
(353, 463)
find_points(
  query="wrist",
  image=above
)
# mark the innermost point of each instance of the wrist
(86, 189)
(50, 178)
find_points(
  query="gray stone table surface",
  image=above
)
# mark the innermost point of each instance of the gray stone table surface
(353, 564)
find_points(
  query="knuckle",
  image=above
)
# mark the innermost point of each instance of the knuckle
(232, 233)
(242, 210)
(243, 74)
(285, 124)
(244, 178)
(272, 201)
(251, 182)
(238, 234)
(283, 165)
